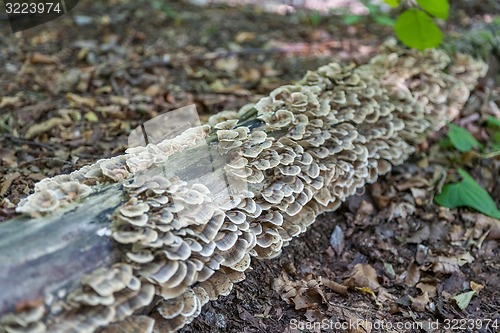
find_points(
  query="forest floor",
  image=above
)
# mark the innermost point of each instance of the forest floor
(72, 90)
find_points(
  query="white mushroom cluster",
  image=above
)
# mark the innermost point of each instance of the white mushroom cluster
(56, 192)
(318, 141)
(52, 193)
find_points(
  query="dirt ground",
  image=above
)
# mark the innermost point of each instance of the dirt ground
(74, 88)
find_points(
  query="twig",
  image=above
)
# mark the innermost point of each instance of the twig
(19, 140)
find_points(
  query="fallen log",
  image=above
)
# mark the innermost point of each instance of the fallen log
(165, 228)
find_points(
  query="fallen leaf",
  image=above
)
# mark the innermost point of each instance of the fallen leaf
(81, 100)
(389, 270)
(244, 36)
(363, 276)
(9, 101)
(412, 274)
(430, 289)
(476, 287)
(7, 182)
(445, 265)
(456, 233)
(401, 209)
(364, 211)
(422, 254)
(229, 64)
(369, 291)
(39, 58)
(46, 126)
(464, 299)
(465, 258)
(91, 117)
(420, 302)
(420, 235)
(314, 315)
(337, 240)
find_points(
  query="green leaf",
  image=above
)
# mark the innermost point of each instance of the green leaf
(445, 143)
(438, 8)
(493, 121)
(351, 19)
(464, 299)
(461, 138)
(384, 20)
(392, 3)
(467, 193)
(417, 29)
(315, 18)
(496, 138)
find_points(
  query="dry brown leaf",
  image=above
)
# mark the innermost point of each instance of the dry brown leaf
(46, 126)
(7, 182)
(422, 254)
(81, 100)
(249, 74)
(430, 289)
(483, 222)
(445, 265)
(465, 258)
(420, 235)
(476, 287)
(39, 58)
(412, 274)
(153, 90)
(419, 194)
(384, 296)
(363, 275)
(300, 302)
(364, 211)
(415, 182)
(420, 302)
(9, 101)
(229, 64)
(244, 36)
(357, 324)
(401, 209)
(314, 315)
(456, 233)
(8, 157)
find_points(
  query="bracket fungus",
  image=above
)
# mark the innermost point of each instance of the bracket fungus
(310, 146)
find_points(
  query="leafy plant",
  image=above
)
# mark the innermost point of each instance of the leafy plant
(168, 10)
(461, 139)
(315, 19)
(467, 193)
(494, 130)
(493, 121)
(416, 26)
(375, 13)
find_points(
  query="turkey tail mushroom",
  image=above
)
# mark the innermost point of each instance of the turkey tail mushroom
(309, 147)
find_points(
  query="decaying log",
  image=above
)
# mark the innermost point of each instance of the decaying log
(165, 228)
